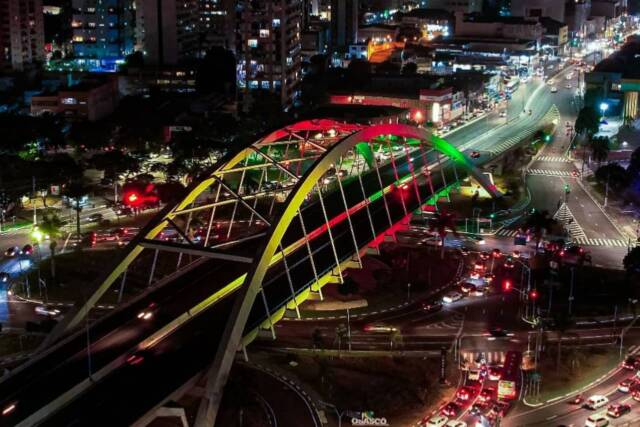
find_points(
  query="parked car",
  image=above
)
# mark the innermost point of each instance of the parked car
(452, 297)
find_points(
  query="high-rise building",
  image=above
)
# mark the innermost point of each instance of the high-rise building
(103, 31)
(344, 23)
(268, 46)
(553, 9)
(21, 34)
(167, 30)
(216, 23)
(464, 6)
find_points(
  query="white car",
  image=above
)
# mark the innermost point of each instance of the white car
(43, 310)
(452, 297)
(596, 401)
(503, 114)
(598, 420)
(437, 421)
(454, 423)
(554, 89)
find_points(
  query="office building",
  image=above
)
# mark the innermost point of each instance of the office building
(21, 34)
(344, 23)
(464, 6)
(167, 30)
(268, 49)
(103, 32)
(554, 9)
(216, 27)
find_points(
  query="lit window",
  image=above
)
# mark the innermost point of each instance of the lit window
(253, 84)
(252, 43)
(78, 39)
(264, 34)
(616, 87)
(69, 101)
(275, 23)
(265, 84)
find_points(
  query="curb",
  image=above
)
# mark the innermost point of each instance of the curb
(384, 310)
(60, 303)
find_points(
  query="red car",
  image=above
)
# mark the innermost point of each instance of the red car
(486, 394)
(484, 255)
(496, 253)
(630, 363)
(495, 373)
(636, 395)
(450, 410)
(617, 410)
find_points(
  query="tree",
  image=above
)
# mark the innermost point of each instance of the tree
(51, 226)
(613, 174)
(410, 69)
(631, 261)
(599, 148)
(443, 222)
(115, 163)
(134, 60)
(388, 67)
(358, 73)
(588, 121)
(76, 191)
(540, 222)
(170, 192)
(634, 164)
(216, 72)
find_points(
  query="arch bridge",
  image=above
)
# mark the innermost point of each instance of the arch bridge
(263, 231)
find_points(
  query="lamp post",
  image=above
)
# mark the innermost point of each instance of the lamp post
(603, 108)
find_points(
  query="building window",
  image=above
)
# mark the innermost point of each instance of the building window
(253, 84)
(617, 87)
(265, 84)
(264, 34)
(253, 43)
(275, 23)
(69, 101)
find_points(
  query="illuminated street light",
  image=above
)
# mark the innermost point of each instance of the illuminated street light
(37, 234)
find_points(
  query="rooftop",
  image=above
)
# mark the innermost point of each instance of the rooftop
(436, 14)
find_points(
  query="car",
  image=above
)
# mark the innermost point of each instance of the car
(124, 240)
(474, 275)
(618, 409)
(625, 385)
(503, 114)
(452, 297)
(464, 393)
(479, 291)
(451, 409)
(474, 238)
(464, 250)
(598, 420)
(27, 250)
(96, 217)
(635, 394)
(484, 255)
(568, 86)
(486, 394)
(379, 327)
(123, 211)
(630, 363)
(478, 408)
(496, 253)
(4, 277)
(509, 263)
(495, 373)
(455, 423)
(554, 89)
(550, 82)
(12, 252)
(474, 154)
(431, 307)
(148, 312)
(516, 254)
(467, 287)
(474, 374)
(596, 401)
(498, 333)
(479, 266)
(498, 409)
(45, 310)
(577, 400)
(489, 277)
(134, 359)
(436, 421)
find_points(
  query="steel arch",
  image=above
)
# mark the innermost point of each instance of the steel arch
(232, 336)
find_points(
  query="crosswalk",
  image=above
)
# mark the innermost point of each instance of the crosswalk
(555, 159)
(600, 242)
(548, 172)
(507, 232)
(564, 216)
(490, 357)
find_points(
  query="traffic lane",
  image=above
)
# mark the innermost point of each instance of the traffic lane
(67, 365)
(562, 412)
(589, 215)
(178, 357)
(288, 406)
(553, 166)
(547, 193)
(361, 341)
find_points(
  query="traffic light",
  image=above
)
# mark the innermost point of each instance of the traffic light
(533, 294)
(547, 138)
(567, 189)
(506, 285)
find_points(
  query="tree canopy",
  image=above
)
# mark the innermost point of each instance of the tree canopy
(588, 121)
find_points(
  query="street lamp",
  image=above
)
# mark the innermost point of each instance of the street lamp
(603, 108)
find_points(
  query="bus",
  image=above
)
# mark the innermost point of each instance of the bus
(509, 383)
(512, 85)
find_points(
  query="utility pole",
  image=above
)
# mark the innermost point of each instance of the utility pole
(573, 269)
(33, 200)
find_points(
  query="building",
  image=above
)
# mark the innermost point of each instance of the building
(344, 23)
(167, 30)
(268, 48)
(509, 27)
(21, 34)
(577, 13)
(430, 22)
(216, 23)
(554, 9)
(103, 32)
(610, 9)
(88, 100)
(463, 6)
(556, 36)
